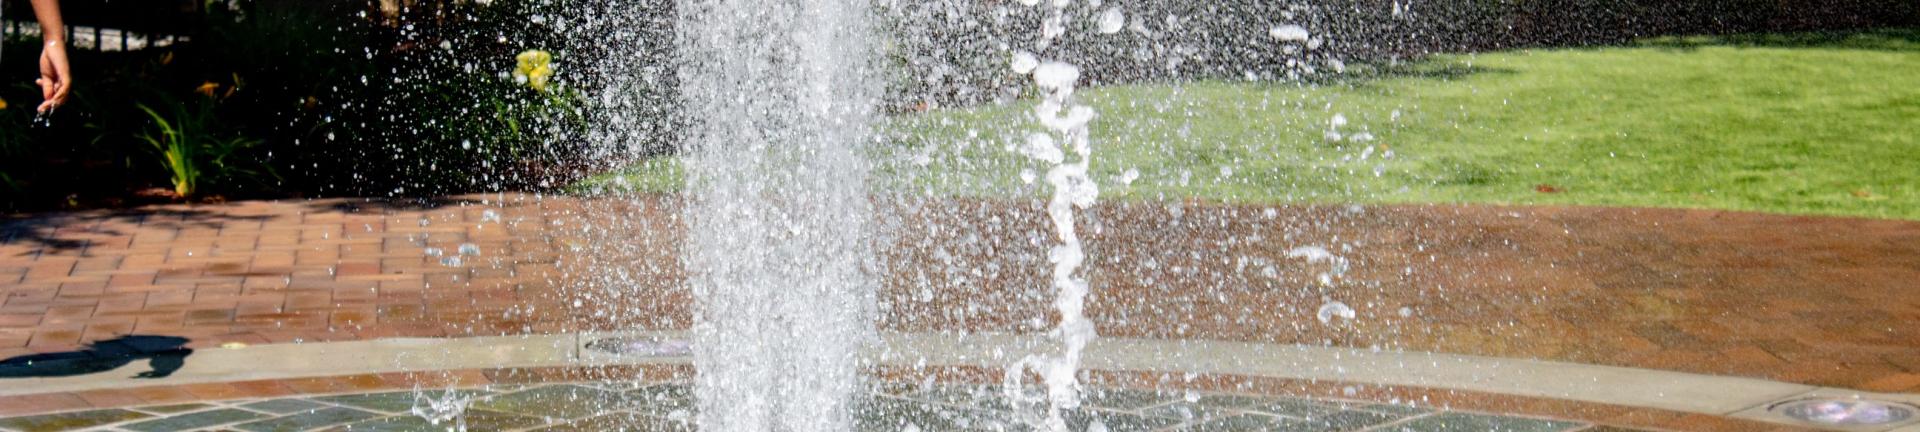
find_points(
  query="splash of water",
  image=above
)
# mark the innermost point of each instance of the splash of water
(449, 407)
(777, 96)
(1066, 125)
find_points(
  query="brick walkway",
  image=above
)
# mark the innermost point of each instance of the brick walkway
(266, 272)
(1810, 300)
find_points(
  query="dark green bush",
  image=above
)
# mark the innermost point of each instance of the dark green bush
(79, 156)
(194, 148)
(345, 98)
(436, 109)
(342, 98)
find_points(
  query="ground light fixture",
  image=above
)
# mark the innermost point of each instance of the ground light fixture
(1845, 411)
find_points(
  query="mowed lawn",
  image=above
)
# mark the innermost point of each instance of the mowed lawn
(1808, 124)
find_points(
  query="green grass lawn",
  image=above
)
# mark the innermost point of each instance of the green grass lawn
(1793, 124)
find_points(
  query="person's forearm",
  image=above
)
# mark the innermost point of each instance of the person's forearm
(51, 28)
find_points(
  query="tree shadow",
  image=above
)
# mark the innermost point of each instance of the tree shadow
(1896, 39)
(66, 232)
(164, 354)
(73, 231)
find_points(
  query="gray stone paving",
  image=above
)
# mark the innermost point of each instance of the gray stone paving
(664, 407)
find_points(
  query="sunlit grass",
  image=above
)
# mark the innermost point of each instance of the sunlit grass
(1806, 124)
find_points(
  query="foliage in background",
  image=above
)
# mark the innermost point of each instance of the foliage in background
(195, 150)
(1727, 123)
(1809, 123)
(443, 110)
(338, 98)
(14, 143)
(418, 101)
(450, 96)
(48, 166)
(956, 53)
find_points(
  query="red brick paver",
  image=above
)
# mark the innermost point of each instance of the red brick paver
(262, 272)
(1800, 299)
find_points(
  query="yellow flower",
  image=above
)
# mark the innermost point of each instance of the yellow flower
(3, 104)
(535, 69)
(207, 88)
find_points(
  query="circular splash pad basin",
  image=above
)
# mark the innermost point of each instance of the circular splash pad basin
(670, 406)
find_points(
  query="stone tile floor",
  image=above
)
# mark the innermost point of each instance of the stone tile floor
(607, 406)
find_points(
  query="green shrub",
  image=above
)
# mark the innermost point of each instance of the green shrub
(14, 142)
(425, 102)
(196, 151)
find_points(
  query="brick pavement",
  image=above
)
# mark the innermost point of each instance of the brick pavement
(1800, 299)
(1822, 301)
(268, 272)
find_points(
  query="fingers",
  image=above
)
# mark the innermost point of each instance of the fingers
(59, 98)
(53, 93)
(56, 79)
(62, 88)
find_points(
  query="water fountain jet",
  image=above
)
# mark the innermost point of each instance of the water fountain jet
(777, 96)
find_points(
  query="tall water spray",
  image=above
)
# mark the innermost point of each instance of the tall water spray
(778, 95)
(1065, 124)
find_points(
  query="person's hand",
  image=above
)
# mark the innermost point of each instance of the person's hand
(56, 79)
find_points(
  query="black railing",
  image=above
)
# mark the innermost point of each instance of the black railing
(112, 25)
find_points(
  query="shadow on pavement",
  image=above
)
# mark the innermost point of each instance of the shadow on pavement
(54, 231)
(164, 354)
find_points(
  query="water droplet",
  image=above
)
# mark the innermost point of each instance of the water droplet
(1024, 62)
(1333, 310)
(448, 407)
(1041, 147)
(1311, 253)
(1112, 20)
(1055, 75)
(1290, 33)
